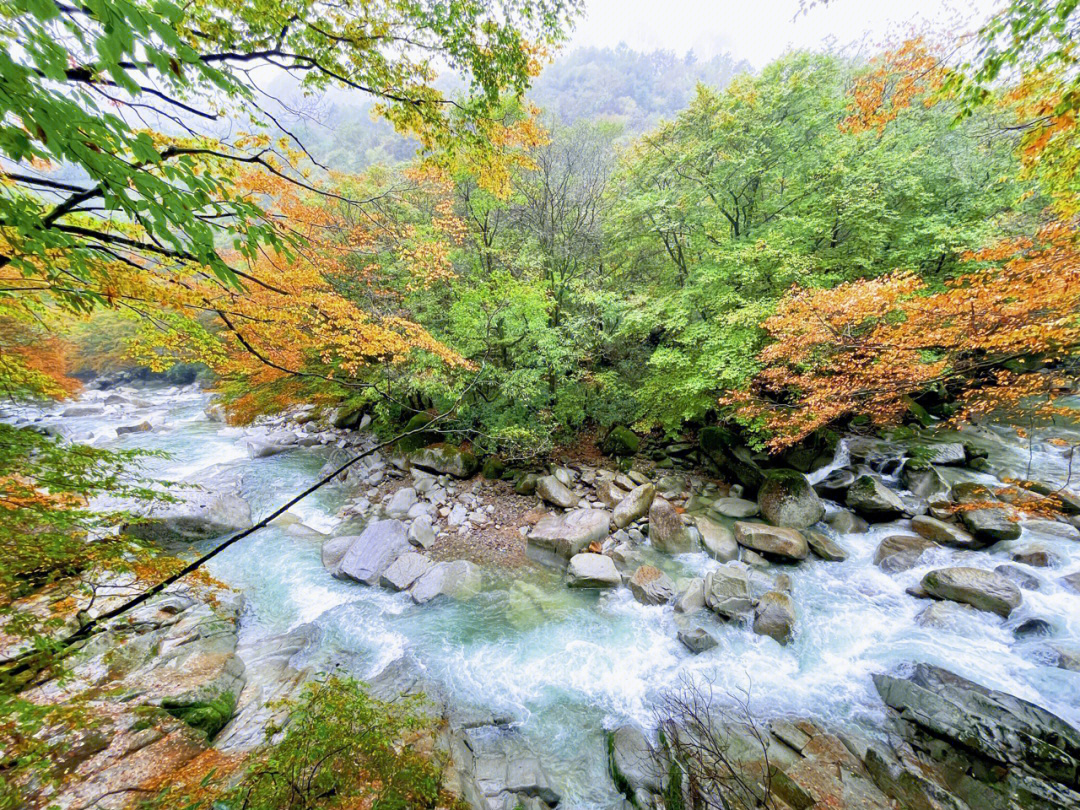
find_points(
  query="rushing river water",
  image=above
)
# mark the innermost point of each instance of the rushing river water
(589, 661)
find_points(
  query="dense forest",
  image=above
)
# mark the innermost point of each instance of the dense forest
(429, 218)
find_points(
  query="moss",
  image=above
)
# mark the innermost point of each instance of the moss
(209, 716)
(493, 468)
(418, 440)
(621, 441)
(622, 784)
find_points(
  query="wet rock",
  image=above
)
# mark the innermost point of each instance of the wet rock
(784, 543)
(991, 524)
(1033, 628)
(667, 532)
(459, 579)
(984, 590)
(697, 639)
(774, 616)
(1019, 577)
(924, 480)
(404, 571)
(737, 508)
(873, 500)
(195, 514)
(1036, 557)
(786, 499)
(942, 615)
(370, 554)
(557, 537)
(401, 502)
(634, 505)
(692, 597)
(731, 590)
(1071, 581)
(835, 484)
(901, 552)
(333, 552)
(844, 522)
(718, 540)
(943, 533)
(555, 492)
(444, 459)
(635, 767)
(825, 547)
(651, 586)
(609, 493)
(945, 453)
(141, 427)
(1065, 656)
(264, 448)
(83, 410)
(592, 571)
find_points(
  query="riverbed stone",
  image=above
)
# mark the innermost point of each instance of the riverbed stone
(873, 500)
(835, 484)
(738, 508)
(444, 459)
(774, 541)
(634, 765)
(692, 597)
(1018, 576)
(401, 502)
(141, 427)
(404, 571)
(984, 590)
(899, 552)
(825, 547)
(1036, 557)
(459, 579)
(194, 514)
(609, 494)
(990, 525)
(774, 616)
(634, 505)
(526, 484)
(945, 534)
(667, 532)
(557, 537)
(422, 532)
(651, 586)
(697, 639)
(786, 499)
(924, 480)
(592, 571)
(843, 521)
(370, 554)
(718, 539)
(555, 492)
(333, 552)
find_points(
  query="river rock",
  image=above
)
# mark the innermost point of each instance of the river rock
(651, 586)
(1018, 577)
(835, 484)
(271, 446)
(825, 547)
(404, 571)
(785, 543)
(422, 532)
(370, 554)
(609, 494)
(526, 484)
(738, 508)
(459, 579)
(445, 459)
(1035, 557)
(873, 500)
(697, 639)
(844, 522)
(83, 410)
(692, 598)
(774, 616)
(555, 492)
(943, 615)
(718, 540)
(984, 590)
(943, 533)
(900, 552)
(592, 571)
(557, 537)
(786, 499)
(333, 552)
(141, 427)
(634, 505)
(733, 589)
(400, 502)
(990, 525)
(193, 515)
(667, 532)
(924, 480)
(634, 765)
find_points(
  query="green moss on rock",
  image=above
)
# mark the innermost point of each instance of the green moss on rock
(621, 441)
(209, 716)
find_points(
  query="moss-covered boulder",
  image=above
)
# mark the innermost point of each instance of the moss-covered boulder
(787, 499)
(445, 459)
(417, 440)
(208, 716)
(493, 468)
(621, 441)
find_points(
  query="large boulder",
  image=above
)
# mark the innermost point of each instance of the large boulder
(557, 537)
(371, 553)
(193, 514)
(404, 571)
(635, 767)
(825, 547)
(621, 441)
(736, 462)
(873, 500)
(733, 589)
(774, 616)
(555, 492)
(943, 533)
(667, 532)
(991, 524)
(333, 552)
(401, 502)
(651, 586)
(924, 480)
(445, 459)
(718, 540)
(984, 590)
(459, 579)
(697, 639)
(633, 506)
(592, 571)
(787, 499)
(692, 597)
(901, 552)
(774, 541)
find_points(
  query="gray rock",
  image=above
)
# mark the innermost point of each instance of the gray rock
(609, 494)
(404, 571)
(924, 481)
(526, 484)
(692, 598)
(900, 552)
(786, 499)
(835, 484)
(946, 453)
(984, 590)
(873, 500)
(844, 522)
(1035, 557)
(942, 615)
(730, 589)
(557, 537)
(991, 524)
(592, 571)
(667, 532)
(193, 515)
(333, 552)
(697, 639)
(825, 547)
(774, 616)
(401, 502)
(943, 533)
(552, 490)
(370, 554)
(422, 532)
(444, 459)
(633, 763)
(718, 540)
(634, 505)
(459, 579)
(737, 508)
(142, 427)
(785, 543)
(651, 586)
(264, 448)
(1019, 577)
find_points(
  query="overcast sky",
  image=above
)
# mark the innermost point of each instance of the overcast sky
(761, 30)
